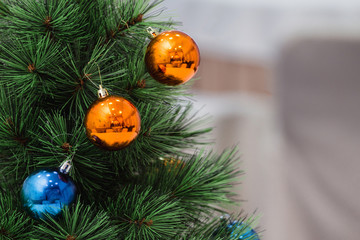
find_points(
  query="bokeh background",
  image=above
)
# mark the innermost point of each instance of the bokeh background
(281, 79)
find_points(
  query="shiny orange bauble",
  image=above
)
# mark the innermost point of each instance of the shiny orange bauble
(112, 123)
(172, 58)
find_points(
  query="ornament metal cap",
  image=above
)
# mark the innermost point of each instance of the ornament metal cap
(66, 167)
(152, 32)
(102, 92)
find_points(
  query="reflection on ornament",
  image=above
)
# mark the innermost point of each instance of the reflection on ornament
(172, 58)
(112, 123)
(47, 191)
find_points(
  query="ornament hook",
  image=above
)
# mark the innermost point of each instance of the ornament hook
(152, 32)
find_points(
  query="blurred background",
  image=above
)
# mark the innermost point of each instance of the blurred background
(281, 79)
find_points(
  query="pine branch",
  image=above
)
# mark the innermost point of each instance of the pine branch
(29, 66)
(142, 213)
(128, 16)
(80, 222)
(14, 225)
(60, 139)
(198, 182)
(60, 19)
(16, 120)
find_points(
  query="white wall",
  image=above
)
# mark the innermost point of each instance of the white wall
(256, 29)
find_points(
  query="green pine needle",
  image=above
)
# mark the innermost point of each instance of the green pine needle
(30, 63)
(81, 222)
(198, 182)
(60, 19)
(4, 10)
(142, 213)
(14, 224)
(16, 120)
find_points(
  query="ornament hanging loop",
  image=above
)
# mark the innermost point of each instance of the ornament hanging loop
(87, 75)
(152, 32)
(66, 167)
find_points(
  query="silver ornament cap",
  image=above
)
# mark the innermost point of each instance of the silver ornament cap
(66, 167)
(102, 92)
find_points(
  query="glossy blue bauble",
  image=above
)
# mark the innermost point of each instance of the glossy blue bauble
(47, 191)
(249, 234)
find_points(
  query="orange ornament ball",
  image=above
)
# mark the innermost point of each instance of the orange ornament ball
(112, 123)
(172, 58)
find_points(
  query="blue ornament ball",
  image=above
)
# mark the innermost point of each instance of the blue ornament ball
(249, 234)
(47, 191)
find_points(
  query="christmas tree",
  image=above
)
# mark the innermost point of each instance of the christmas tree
(138, 171)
